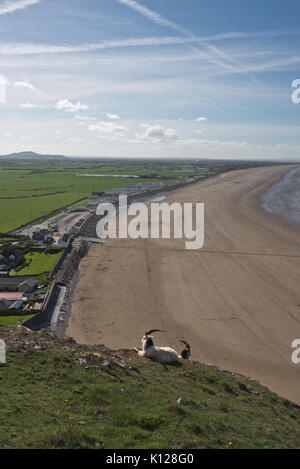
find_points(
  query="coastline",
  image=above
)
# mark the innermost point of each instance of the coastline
(236, 300)
(282, 198)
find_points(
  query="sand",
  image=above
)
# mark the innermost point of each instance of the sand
(236, 301)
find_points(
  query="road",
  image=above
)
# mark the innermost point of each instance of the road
(65, 221)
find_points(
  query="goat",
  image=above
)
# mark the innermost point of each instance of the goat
(162, 355)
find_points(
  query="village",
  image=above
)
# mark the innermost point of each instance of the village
(38, 262)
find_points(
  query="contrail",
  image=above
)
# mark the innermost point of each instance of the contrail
(159, 19)
(153, 16)
(11, 7)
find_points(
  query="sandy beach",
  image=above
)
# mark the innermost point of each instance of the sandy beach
(236, 301)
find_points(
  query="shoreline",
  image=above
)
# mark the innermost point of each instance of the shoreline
(236, 300)
(289, 218)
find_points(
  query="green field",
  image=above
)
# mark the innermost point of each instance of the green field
(47, 400)
(26, 195)
(29, 191)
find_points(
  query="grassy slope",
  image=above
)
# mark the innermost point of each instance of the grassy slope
(47, 400)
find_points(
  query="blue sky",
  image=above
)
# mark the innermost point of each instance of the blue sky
(156, 78)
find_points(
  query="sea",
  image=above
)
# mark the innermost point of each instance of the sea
(283, 197)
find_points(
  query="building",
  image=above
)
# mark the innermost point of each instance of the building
(29, 285)
(43, 235)
(64, 241)
(5, 305)
(79, 208)
(12, 301)
(11, 305)
(13, 284)
(11, 296)
(10, 259)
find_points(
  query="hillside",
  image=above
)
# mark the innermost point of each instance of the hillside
(57, 394)
(31, 155)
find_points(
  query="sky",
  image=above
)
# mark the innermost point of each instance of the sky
(151, 78)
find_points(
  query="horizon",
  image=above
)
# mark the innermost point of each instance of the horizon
(125, 78)
(161, 158)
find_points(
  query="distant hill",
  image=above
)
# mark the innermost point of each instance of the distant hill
(31, 155)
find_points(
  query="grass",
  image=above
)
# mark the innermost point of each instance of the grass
(39, 263)
(33, 204)
(15, 320)
(47, 400)
(30, 192)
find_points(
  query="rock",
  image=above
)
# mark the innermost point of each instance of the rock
(250, 390)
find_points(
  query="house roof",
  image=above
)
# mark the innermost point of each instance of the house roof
(11, 296)
(17, 304)
(11, 281)
(5, 303)
(30, 281)
(64, 238)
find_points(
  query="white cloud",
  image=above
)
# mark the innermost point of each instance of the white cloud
(107, 128)
(25, 85)
(84, 120)
(12, 6)
(67, 106)
(30, 106)
(201, 119)
(113, 116)
(157, 132)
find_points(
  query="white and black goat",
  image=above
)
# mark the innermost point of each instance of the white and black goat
(163, 355)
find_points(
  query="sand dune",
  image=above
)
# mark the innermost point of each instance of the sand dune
(237, 300)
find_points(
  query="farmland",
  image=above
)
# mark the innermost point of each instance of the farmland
(27, 195)
(34, 190)
(30, 190)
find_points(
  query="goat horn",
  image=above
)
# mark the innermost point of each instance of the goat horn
(153, 330)
(185, 343)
